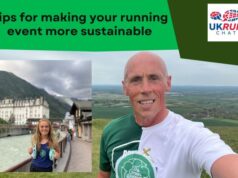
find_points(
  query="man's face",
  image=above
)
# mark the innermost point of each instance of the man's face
(145, 84)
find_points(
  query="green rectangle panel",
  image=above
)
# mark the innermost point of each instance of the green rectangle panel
(21, 25)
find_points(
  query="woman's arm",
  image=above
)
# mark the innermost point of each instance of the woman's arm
(57, 151)
(30, 150)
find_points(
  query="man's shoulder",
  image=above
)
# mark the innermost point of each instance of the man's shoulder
(121, 127)
(183, 122)
(181, 118)
(119, 122)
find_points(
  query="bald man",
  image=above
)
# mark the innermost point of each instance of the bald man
(154, 141)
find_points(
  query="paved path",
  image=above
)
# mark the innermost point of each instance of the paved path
(81, 156)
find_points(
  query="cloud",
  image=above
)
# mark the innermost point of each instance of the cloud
(63, 77)
(110, 66)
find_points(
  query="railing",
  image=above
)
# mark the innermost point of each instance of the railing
(62, 145)
(24, 166)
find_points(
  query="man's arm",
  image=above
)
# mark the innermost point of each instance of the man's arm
(103, 174)
(225, 167)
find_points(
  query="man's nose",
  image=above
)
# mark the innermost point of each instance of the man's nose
(145, 87)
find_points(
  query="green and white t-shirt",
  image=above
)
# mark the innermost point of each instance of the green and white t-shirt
(176, 147)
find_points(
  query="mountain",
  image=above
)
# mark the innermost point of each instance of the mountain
(12, 86)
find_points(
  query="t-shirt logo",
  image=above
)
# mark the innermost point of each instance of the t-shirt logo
(42, 153)
(133, 164)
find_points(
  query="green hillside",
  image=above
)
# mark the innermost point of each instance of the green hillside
(12, 86)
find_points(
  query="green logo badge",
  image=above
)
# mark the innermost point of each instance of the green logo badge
(134, 165)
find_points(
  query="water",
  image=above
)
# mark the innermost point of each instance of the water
(13, 150)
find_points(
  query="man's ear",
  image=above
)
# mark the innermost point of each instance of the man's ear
(168, 83)
(124, 88)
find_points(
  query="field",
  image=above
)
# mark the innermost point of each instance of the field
(191, 102)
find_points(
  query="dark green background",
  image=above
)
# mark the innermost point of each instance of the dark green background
(190, 24)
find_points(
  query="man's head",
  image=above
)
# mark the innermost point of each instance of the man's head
(145, 82)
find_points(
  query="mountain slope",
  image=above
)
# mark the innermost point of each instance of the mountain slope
(12, 86)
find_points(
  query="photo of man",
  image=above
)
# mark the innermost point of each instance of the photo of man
(170, 145)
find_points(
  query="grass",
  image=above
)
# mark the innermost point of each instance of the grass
(112, 111)
(219, 122)
(228, 134)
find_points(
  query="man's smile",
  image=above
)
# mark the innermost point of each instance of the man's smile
(147, 101)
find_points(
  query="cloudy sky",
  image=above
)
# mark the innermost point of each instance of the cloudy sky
(107, 68)
(71, 78)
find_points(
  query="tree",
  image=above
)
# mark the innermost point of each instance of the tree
(2, 121)
(11, 119)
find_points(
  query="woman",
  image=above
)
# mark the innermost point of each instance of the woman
(44, 147)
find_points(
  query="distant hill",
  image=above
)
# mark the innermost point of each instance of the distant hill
(12, 86)
(116, 89)
(192, 102)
